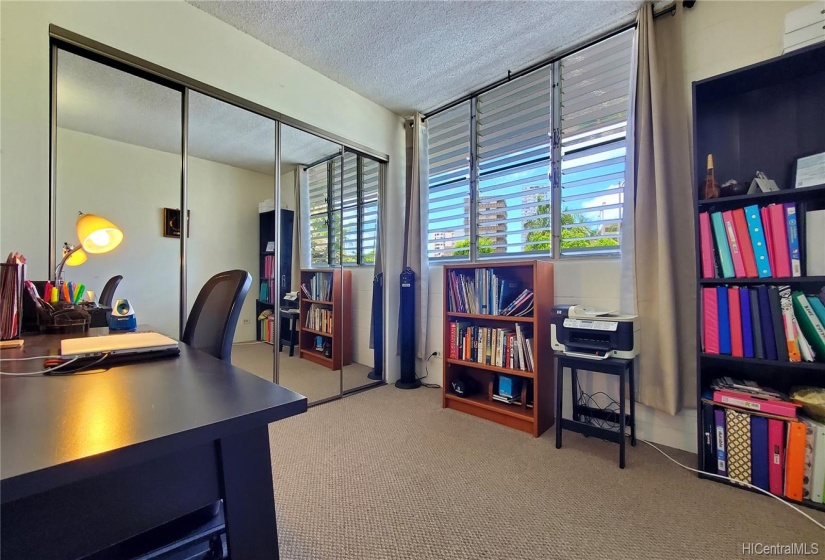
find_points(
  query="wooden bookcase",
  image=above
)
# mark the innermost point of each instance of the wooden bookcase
(537, 276)
(340, 306)
(761, 117)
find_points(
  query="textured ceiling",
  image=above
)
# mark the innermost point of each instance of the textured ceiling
(417, 55)
(100, 100)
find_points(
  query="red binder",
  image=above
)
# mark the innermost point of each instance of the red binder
(766, 225)
(776, 455)
(706, 245)
(710, 320)
(745, 246)
(779, 236)
(735, 313)
(735, 246)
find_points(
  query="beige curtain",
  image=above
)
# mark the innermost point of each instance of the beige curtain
(661, 257)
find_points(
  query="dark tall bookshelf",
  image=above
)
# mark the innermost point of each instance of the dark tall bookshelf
(762, 117)
(266, 234)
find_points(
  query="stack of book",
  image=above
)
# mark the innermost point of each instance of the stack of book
(750, 242)
(268, 328)
(501, 347)
(766, 322)
(755, 435)
(319, 288)
(486, 292)
(319, 319)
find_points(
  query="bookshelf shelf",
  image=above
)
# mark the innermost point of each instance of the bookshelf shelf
(488, 317)
(806, 503)
(538, 385)
(762, 117)
(506, 371)
(341, 336)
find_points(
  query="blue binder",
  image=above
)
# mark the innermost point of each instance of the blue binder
(760, 249)
(724, 320)
(747, 327)
(759, 452)
(766, 322)
(722, 245)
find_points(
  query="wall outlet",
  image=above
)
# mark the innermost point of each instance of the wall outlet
(246, 321)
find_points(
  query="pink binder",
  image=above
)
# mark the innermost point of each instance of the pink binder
(710, 320)
(766, 226)
(779, 237)
(776, 455)
(742, 400)
(706, 245)
(735, 250)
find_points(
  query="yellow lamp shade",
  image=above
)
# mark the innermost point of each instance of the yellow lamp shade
(75, 259)
(97, 235)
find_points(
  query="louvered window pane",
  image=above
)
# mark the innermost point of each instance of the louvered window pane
(514, 125)
(448, 232)
(318, 185)
(595, 83)
(369, 209)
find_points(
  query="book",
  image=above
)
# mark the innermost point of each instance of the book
(747, 327)
(753, 217)
(710, 321)
(776, 455)
(813, 479)
(758, 345)
(793, 238)
(794, 460)
(724, 320)
(706, 245)
(809, 324)
(721, 442)
(779, 240)
(814, 248)
(766, 322)
(740, 225)
(778, 324)
(788, 323)
(818, 307)
(735, 319)
(805, 348)
(733, 243)
(738, 430)
(759, 452)
(721, 237)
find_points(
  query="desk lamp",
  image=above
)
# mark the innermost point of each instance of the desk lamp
(97, 235)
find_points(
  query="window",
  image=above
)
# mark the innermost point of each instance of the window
(499, 186)
(343, 217)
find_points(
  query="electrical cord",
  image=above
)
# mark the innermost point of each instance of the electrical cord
(751, 486)
(42, 372)
(427, 369)
(54, 370)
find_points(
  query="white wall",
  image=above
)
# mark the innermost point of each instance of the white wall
(130, 185)
(182, 38)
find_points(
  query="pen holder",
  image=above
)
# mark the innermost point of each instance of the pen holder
(62, 318)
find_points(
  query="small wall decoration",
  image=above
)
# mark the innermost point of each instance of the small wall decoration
(171, 222)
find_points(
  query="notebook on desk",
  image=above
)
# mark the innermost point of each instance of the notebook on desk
(130, 344)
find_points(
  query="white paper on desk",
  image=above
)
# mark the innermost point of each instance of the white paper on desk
(810, 171)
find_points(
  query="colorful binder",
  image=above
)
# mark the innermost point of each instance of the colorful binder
(814, 476)
(766, 322)
(721, 443)
(818, 307)
(778, 324)
(708, 439)
(724, 320)
(794, 460)
(738, 429)
(793, 238)
(779, 242)
(745, 245)
(710, 320)
(810, 324)
(766, 224)
(759, 452)
(722, 245)
(788, 324)
(750, 402)
(758, 345)
(776, 455)
(735, 318)
(733, 242)
(706, 245)
(747, 326)
(757, 236)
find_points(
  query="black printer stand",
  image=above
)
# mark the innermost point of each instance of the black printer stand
(611, 366)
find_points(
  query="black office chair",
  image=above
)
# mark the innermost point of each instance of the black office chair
(108, 293)
(212, 321)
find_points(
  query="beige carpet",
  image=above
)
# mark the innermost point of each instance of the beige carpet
(313, 381)
(389, 474)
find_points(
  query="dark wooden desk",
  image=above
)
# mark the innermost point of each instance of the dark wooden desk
(89, 460)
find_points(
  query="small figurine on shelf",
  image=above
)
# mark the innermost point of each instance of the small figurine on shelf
(711, 186)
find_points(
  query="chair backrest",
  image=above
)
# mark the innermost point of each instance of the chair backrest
(212, 321)
(108, 293)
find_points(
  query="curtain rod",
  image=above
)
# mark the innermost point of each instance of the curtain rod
(669, 9)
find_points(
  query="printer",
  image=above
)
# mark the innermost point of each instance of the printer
(583, 332)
